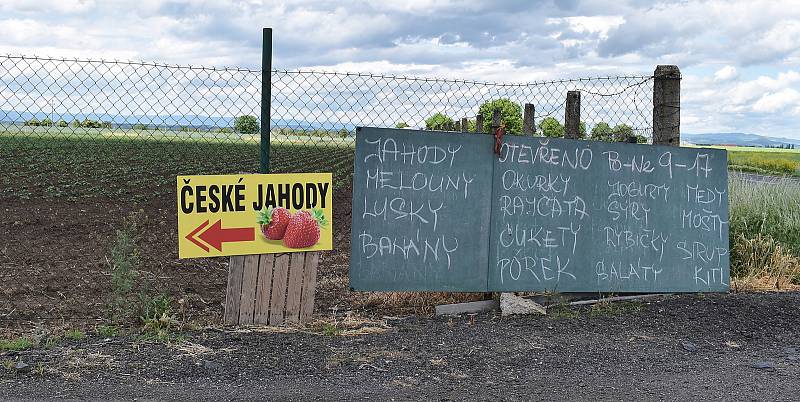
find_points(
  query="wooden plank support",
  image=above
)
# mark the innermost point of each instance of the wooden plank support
(233, 295)
(279, 280)
(294, 287)
(309, 287)
(271, 289)
(248, 295)
(264, 291)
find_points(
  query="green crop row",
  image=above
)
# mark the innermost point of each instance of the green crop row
(138, 169)
(787, 163)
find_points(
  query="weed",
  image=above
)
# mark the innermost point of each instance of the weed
(74, 334)
(329, 329)
(9, 364)
(107, 331)
(562, 310)
(157, 316)
(51, 342)
(123, 266)
(17, 344)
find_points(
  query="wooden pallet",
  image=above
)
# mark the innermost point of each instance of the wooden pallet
(271, 289)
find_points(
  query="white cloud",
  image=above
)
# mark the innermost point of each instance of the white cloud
(39, 6)
(718, 44)
(599, 24)
(777, 101)
(725, 73)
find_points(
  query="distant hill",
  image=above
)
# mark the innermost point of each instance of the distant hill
(194, 121)
(740, 139)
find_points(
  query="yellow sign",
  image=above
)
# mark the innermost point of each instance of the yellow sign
(221, 215)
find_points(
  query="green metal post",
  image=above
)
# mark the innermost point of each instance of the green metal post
(266, 97)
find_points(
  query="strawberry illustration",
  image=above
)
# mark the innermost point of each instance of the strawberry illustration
(303, 229)
(274, 221)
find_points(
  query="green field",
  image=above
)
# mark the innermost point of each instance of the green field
(76, 168)
(764, 160)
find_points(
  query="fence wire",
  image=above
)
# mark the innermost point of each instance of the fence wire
(97, 99)
(79, 130)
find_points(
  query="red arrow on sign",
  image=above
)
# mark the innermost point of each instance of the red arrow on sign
(215, 235)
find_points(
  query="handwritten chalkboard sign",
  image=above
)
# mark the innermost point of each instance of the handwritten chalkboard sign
(420, 211)
(436, 211)
(585, 216)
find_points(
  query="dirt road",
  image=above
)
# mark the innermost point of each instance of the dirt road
(732, 347)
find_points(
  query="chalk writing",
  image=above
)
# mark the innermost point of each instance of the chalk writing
(444, 212)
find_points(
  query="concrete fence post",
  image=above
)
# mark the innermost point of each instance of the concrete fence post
(667, 106)
(479, 123)
(572, 115)
(528, 122)
(495, 120)
(464, 125)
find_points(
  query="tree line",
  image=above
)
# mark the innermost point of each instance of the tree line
(86, 123)
(511, 119)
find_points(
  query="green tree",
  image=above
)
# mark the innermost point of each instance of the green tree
(401, 124)
(89, 123)
(640, 139)
(344, 133)
(621, 132)
(471, 125)
(582, 130)
(601, 132)
(439, 121)
(46, 122)
(33, 122)
(76, 124)
(510, 115)
(140, 126)
(550, 127)
(62, 123)
(246, 124)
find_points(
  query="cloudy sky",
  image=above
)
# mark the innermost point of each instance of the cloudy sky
(740, 59)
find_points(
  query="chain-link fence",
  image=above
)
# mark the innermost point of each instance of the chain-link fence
(85, 142)
(92, 99)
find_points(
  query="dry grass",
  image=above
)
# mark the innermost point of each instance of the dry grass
(411, 302)
(349, 325)
(762, 263)
(758, 209)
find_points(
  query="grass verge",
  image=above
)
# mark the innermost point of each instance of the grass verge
(764, 234)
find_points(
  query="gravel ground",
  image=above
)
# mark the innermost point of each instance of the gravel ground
(731, 347)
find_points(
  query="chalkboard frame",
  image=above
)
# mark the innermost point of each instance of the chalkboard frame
(472, 271)
(485, 156)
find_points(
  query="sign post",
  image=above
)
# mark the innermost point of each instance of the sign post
(266, 97)
(272, 226)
